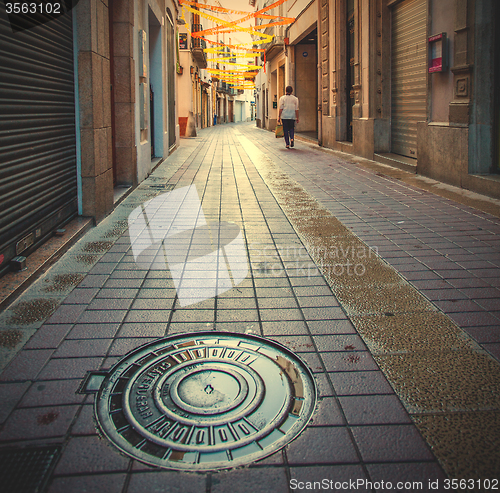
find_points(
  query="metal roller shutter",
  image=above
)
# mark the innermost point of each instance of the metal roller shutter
(38, 184)
(409, 74)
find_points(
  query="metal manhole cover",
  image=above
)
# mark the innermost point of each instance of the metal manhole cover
(205, 401)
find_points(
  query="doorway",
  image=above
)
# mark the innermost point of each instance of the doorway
(306, 84)
(156, 86)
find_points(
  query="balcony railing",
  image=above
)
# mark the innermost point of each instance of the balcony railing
(276, 45)
(198, 43)
(198, 47)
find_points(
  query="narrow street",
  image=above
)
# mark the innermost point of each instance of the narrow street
(387, 287)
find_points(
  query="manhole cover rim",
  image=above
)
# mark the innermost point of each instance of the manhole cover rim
(293, 423)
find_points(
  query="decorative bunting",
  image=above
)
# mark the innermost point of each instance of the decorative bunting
(237, 78)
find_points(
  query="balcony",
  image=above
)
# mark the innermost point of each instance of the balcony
(226, 88)
(277, 45)
(198, 47)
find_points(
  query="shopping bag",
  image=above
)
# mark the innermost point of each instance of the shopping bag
(279, 131)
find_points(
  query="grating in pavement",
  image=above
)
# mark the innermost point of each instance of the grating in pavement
(163, 186)
(27, 470)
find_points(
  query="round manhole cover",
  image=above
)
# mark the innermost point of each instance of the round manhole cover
(205, 401)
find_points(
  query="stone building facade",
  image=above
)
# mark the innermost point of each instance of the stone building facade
(409, 83)
(385, 96)
(126, 60)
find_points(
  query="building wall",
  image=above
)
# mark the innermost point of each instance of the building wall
(456, 142)
(441, 83)
(116, 145)
(94, 104)
(184, 90)
(123, 105)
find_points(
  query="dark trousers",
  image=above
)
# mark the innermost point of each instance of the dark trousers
(288, 130)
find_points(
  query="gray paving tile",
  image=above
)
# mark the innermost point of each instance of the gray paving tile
(328, 413)
(124, 345)
(66, 314)
(63, 368)
(36, 423)
(147, 316)
(90, 455)
(109, 304)
(52, 393)
(94, 281)
(93, 331)
(280, 314)
(373, 409)
(80, 348)
(273, 292)
(342, 342)
(324, 313)
(140, 329)
(126, 283)
(325, 327)
(329, 478)
(118, 293)
(360, 383)
(10, 395)
(284, 328)
(256, 480)
(332, 445)
(240, 315)
(391, 443)
(48, 336)
(348, 361)
(414, 476)
(26, 365)
(102, 316)
(81, 296)
(474, 319)
(111, 483)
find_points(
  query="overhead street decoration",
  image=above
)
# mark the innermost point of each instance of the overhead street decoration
(242, 76)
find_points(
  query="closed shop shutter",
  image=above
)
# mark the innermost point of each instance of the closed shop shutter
(409, 74)
(38, 185)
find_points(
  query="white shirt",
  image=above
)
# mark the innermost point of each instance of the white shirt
(289, 104)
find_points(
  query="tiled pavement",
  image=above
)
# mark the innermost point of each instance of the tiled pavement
(96, 304)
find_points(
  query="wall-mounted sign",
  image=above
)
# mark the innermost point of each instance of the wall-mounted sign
(183, 41)
(437, 53)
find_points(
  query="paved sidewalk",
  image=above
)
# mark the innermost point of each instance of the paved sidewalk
(389, 293)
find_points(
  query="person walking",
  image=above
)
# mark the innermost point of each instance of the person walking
(288, 115)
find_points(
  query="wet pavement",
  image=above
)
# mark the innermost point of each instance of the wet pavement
(386, 285)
